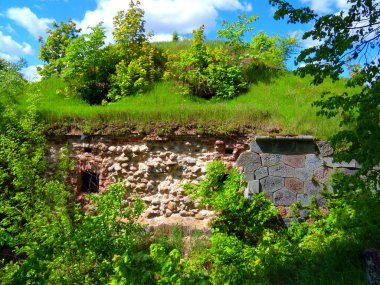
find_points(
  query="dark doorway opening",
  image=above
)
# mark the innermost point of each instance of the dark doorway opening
(90, 182)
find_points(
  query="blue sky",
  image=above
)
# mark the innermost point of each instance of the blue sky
(23, 21)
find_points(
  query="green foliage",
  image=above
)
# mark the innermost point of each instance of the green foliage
(12, 83)
(327, 249)
(53, 50)
(175, 37)
(273, 51)
(237, 216)
(206, 72)
(169, 264)
(141, 64)
(129, 31)
(136, 76)
(89, 64)
(346, 38)
(225, 72)
(234, 32)
(45, 237)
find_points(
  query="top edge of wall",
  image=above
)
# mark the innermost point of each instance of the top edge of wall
(285, 137)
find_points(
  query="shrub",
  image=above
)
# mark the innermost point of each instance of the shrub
(207, 72)
(137, 75)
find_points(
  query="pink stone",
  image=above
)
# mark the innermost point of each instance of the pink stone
(294, 184)
(322, 174)
(282, 211)
(297, 161)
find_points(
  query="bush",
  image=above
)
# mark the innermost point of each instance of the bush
(89, 65)
(137, 75)
(207, 72)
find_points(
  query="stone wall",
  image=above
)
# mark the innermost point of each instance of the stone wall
(290, 169)
(287, 169)
(151, 169)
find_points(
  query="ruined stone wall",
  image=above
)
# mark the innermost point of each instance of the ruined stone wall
(154, 170)
(287, 169)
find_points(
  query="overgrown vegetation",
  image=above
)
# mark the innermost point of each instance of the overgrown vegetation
(162, 109)
(347, 39)
(47, 238)
(101, 74)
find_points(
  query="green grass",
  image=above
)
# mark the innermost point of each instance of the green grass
(175, 47)
(284, 105)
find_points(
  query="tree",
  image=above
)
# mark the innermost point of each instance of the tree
(12, 82)
(129, 30)
(175, 37)
(54, 48)
(89, 64)
(348, 38)
(140, 64)
(235, 31)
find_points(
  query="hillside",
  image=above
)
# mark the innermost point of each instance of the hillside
(282, 105)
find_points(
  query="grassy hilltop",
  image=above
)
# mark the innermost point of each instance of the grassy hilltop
(284, 105)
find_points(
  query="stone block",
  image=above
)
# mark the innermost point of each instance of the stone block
(312, 188)
(324, 148)
(284, 197)
(270, 159)
(172, 206)
(328, 161)
(261, 173)
(271, 184)
(304, 213)
(322, 174)
(250, 161)
(281, 170)
(269, 196)
(253, 187)
(303, 174)
(112, 148)
(304, 199)
(255, 147)
(294, 184)
(312, 162)
(190, 160)
(284, 146)
(321, 200)
(248, 176)
(345, 171)
(297, 161)
(219, 146)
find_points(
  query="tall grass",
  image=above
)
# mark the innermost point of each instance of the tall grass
(184, 44)
(283, 105)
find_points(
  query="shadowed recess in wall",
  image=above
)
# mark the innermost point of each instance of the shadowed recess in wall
(286, 145)
(90, 182)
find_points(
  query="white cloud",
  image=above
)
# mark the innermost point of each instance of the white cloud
(10, 46)
(327, 6)
(307, 43)
(165, 16)
(343, 4)
(8, 57)
(28, 20)
(162, 38)
(30, 73)
(321, 6)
